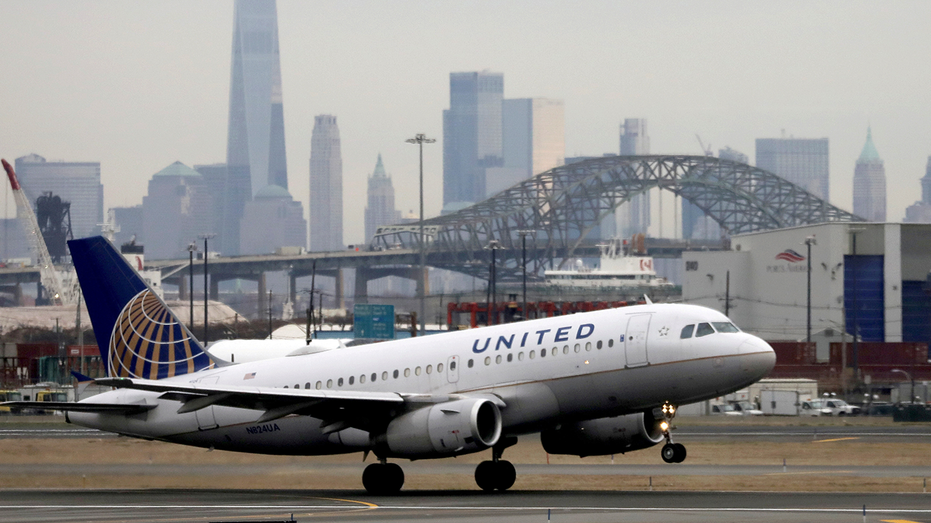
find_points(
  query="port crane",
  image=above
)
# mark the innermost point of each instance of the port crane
(58, 293)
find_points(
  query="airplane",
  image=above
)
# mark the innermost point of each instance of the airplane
(593, 383)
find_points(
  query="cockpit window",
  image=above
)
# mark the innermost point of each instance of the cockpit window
(703, 329)
(725, 326)
(687, 331)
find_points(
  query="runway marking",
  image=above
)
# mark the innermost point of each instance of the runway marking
(296, 508)
(829, 440)
(898, 521)
(809, 472)
(368, 506)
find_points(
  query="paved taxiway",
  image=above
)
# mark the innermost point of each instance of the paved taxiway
(904, 432)
(179, 506)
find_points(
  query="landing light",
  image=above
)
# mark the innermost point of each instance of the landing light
(664, 426)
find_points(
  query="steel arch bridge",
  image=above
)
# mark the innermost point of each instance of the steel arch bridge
(562, 205)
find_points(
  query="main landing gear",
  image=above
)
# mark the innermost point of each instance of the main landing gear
(496, 474)
(383, 478)
(672, 452)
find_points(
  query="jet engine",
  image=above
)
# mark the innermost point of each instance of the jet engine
(451, 428)
(602, 436)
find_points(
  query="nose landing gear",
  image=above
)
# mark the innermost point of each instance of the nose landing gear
(671, 452)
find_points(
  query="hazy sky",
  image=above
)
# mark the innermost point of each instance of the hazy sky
(138, 85)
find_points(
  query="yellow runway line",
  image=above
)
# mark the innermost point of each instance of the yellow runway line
(835, 439)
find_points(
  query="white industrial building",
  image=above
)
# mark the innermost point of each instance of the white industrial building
(873, 275)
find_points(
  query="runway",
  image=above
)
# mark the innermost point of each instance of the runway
(178, 506)
(905, 432)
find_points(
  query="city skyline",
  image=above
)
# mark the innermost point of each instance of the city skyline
(151, 83)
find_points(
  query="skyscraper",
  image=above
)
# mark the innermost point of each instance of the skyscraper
(801, 161)
(533, 141)
(326, 186)
(175, 211)
(271, 220)
(696, 225)
(869, 183)
(255, 153)
(75, 182)
(472, 135)
(634, 216)
(920, 211)
(380, 209)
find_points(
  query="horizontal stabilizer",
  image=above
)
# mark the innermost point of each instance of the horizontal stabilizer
(112, 408)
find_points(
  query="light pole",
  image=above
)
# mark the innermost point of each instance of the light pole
(421, 139)
(809, 241)
(523, 247)
(492, 246)
(190, 249)
(206, 291)
(854, 267)
(911, 394)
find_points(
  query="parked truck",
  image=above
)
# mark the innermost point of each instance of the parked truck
(780, 402)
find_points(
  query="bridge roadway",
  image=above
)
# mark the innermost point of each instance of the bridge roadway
(371, 264)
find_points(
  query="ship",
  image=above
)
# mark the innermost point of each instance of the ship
(619, 268)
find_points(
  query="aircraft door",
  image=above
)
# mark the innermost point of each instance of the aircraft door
(452, 369)
(635, 341)
(205, 417)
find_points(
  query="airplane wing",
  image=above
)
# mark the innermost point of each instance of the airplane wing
(121, 408)
(337, 409)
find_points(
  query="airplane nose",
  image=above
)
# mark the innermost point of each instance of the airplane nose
(758, 356)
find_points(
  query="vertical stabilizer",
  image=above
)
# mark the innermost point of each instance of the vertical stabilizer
(141, 336)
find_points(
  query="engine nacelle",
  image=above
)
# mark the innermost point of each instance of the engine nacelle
(603, 436)
(447, 429)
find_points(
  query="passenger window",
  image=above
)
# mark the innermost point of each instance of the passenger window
(610, 343)
(498, 358)
(555, 351)
(374, 375)
(395, 374)
(703, 329)
(452, 365)
(577, 347)
(352, 379)
(362, 378)
(297, 385)
(417, 371)
(329, 384)
(588, 346)
(687, 331)
(384, 375)
(407, 373)
(542, 353)
(430, 369)
(285, 386)
(487, 360)
(510, 357)
(339, 382)
(439, 368)
(319, 385)
(307, 385)
(533, 354)
(471, 363)
(598, 345)
(565, 350)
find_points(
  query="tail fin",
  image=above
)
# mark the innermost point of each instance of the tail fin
(143, 338)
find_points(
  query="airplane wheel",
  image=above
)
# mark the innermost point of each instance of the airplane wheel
(382, 479)
(506, 475)
(680, 452)
(485, 476)
(669, 453)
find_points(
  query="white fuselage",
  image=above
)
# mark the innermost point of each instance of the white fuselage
(597, 364)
